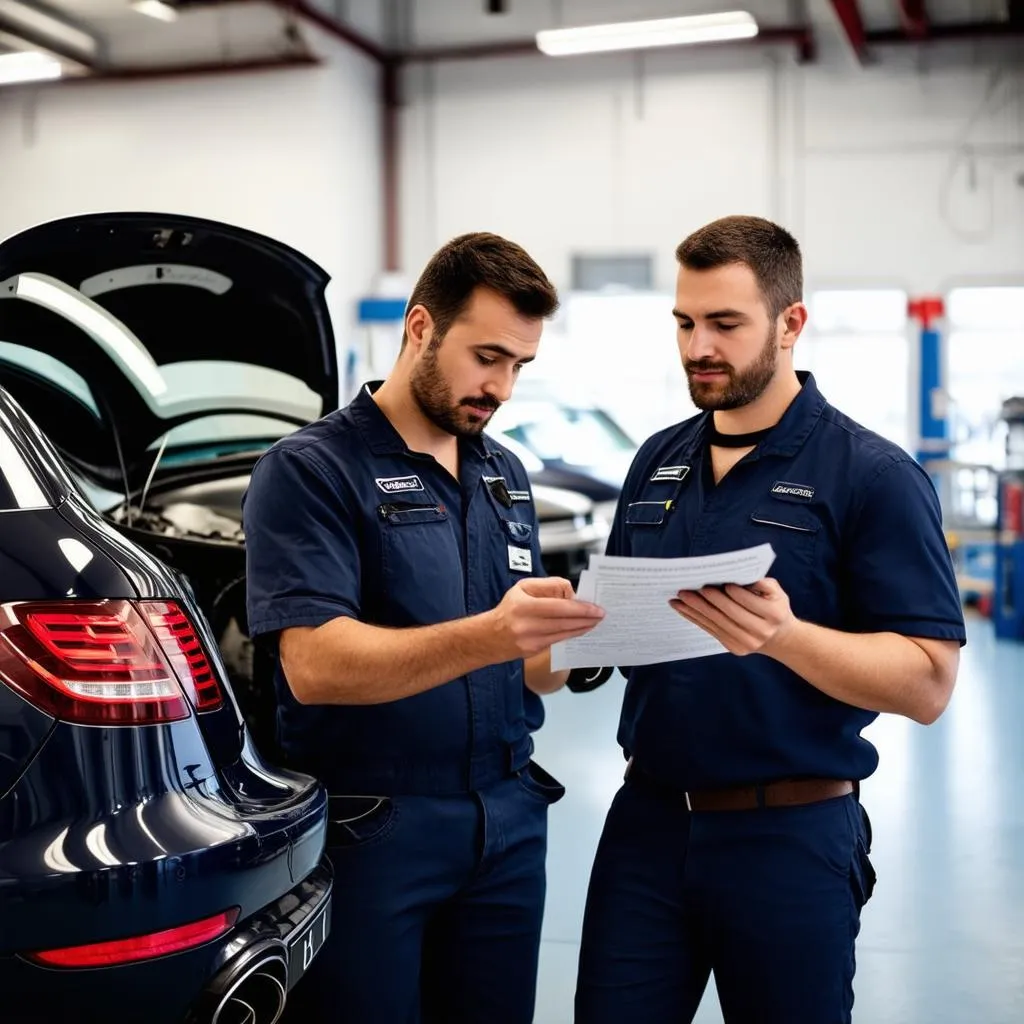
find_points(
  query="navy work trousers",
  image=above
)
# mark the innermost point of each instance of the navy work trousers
(768, 900)
(437, 908)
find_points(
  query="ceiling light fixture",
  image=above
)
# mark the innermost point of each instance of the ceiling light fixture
(28, 66)
(636, 35)
(156, 9)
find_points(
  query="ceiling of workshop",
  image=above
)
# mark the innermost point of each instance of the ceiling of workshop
(225, 32)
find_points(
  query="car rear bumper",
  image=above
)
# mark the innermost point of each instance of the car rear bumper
(83, 860)
(265, 958)
(257, 962)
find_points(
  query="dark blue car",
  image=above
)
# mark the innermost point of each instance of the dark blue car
(156, 863)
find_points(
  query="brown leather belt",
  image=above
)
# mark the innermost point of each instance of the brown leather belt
(782, 793)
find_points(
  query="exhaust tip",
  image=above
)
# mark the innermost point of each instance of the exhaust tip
(255, 995)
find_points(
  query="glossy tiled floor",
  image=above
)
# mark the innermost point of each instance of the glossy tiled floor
(942, 940)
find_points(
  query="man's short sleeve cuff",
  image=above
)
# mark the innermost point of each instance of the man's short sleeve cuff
(300, 611)
(927, 630)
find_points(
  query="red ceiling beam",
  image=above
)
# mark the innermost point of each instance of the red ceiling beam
(231, 67)
(914, 19)
(390, 154)
(848, 13)
(964, 31)
(336, 28)
(197, 69)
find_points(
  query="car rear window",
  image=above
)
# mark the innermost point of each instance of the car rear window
(50, 369)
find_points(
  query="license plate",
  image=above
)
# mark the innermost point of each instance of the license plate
(304, 945)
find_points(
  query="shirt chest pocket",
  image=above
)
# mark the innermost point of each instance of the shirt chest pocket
(421, 565)
(793, 534)
(518, 538)
(506, 555)
(647, 526)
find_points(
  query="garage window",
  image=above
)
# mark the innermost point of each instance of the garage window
(857, 346)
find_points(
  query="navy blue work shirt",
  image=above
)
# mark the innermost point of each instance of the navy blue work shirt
(342, 519)
(859, 547)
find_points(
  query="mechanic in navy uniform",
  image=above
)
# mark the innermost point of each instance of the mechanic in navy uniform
(394, 567)
(737, 844)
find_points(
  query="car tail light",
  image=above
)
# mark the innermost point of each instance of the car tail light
(178, 641)
(140, 947)
(106, 662)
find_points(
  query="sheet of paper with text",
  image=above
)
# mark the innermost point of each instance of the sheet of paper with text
(640, 627)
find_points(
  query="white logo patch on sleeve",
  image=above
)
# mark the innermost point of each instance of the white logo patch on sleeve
(520, 559)
(399, 484)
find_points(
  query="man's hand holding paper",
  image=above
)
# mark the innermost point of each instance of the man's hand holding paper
(641, 625)
(744, 620)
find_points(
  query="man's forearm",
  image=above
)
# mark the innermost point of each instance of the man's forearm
(346, 661)
(539, 677)
(883, 672)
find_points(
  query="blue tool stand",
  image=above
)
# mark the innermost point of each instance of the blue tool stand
(1008, 598)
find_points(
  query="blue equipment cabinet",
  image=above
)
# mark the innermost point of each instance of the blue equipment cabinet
(1008, 599)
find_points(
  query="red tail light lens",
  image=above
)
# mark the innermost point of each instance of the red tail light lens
(140, 947)
(179, 642)
(105, 662)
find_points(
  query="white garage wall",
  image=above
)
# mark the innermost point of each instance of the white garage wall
(294, 154)
(615, 154)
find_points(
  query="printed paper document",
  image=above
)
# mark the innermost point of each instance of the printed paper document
(640, 627)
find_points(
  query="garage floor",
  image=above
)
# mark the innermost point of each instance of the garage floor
(942, 939)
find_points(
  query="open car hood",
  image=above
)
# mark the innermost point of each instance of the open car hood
(136, 323)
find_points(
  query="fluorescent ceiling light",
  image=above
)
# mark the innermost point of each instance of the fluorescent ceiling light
(156, 9)
(28, 66)
(635, 35)
(46, 27)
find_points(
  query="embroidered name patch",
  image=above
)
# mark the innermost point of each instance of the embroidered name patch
(792, 492)
(520, 559)
(399, 484)
(519, 495)
(670, 473)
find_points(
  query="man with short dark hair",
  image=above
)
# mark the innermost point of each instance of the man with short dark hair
(392, 566)
(737, 844)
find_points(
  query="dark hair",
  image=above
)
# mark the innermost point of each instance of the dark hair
(481, 260)
(771, 252)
